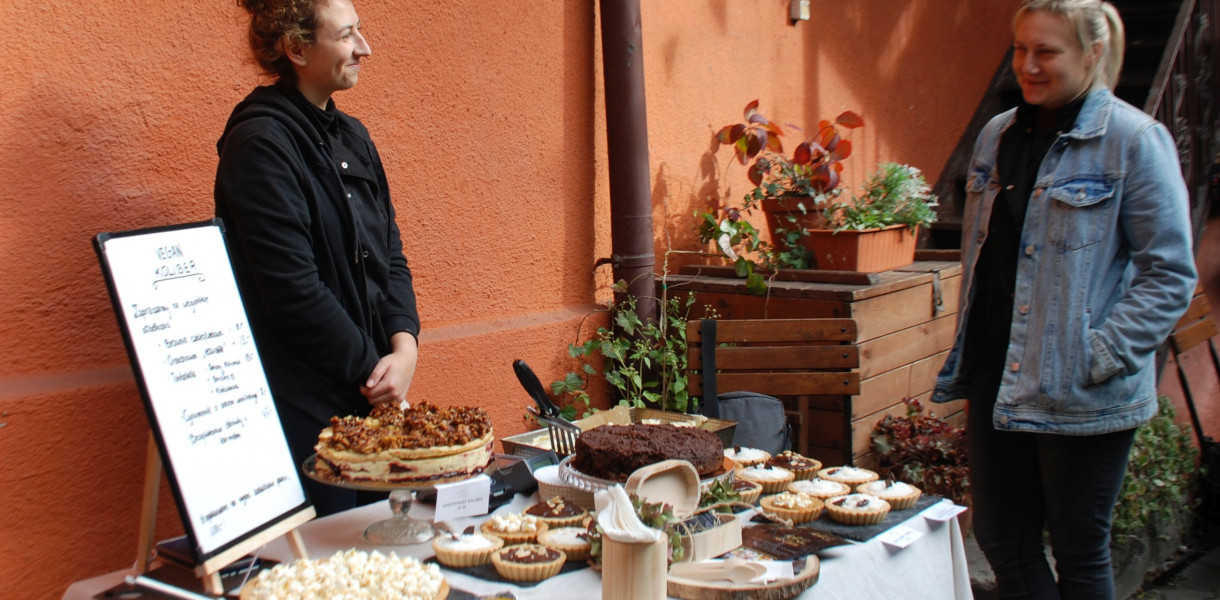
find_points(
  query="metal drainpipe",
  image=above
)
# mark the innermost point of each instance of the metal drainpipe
(627, 146)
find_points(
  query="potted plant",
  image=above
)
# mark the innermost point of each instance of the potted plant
(801, 194)
(876, 230)
(789, 190)
(924, 450)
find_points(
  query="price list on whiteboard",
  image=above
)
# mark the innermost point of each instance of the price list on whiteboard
(204, 387)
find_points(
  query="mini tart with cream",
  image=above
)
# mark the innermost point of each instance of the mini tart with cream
(857, 509)
(852, 476)
(573, 541)
(466, 550)
(797, 508)
(901, 496)
(747, 491)
(802, 467)
(514, 528)
(528, 562)
(557, 512)
(747, 457)
(772, 479)
(819, 488)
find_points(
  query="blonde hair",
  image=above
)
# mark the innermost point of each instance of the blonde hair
(1095, 21)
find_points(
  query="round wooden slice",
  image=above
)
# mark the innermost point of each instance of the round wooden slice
(694, 589)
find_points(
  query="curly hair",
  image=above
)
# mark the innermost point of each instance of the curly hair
(274, 26)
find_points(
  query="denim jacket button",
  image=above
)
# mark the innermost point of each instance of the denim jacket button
(1037, 192)
(1024, 309)
(1003, 419)
(1016, 366)
(1029, 250)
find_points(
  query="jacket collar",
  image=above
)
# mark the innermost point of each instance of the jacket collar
(1094, 116)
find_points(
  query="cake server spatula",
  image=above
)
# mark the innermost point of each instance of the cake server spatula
(563, 433)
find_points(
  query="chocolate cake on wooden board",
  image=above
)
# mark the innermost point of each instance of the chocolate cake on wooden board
(613, 452)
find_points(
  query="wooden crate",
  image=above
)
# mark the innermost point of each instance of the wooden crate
(905, 322)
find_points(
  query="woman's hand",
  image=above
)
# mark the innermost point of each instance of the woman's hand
(391, 377)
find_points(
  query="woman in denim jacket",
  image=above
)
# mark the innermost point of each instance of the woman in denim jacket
(1077, 263)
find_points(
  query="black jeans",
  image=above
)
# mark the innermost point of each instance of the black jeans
(1022, 481)
(302, 431)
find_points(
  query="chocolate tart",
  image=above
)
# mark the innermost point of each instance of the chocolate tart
(528, 562)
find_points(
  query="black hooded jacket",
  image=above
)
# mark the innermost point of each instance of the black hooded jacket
(294, 239)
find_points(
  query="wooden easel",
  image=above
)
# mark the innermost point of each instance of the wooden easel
(209, 570)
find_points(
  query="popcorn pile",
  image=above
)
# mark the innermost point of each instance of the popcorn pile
(348, 575)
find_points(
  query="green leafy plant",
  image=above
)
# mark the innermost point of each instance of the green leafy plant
(924, 450)
(644, 362)
(896, 194)
(656, 515)
(1161, 474)
(809, 178)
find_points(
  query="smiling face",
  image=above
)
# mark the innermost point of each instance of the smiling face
(332, 62)
(1051, 67)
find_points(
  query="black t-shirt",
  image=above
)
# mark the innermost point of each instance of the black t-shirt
(1022, 147)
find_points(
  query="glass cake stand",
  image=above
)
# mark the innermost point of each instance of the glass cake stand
(400, 529)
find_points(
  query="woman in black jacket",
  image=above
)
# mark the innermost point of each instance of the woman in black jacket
(311, 231)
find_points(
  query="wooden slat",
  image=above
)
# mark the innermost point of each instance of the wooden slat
(741, 331)
(807, 275)
(904, 347)
(782, 384)
(1193, 335)
(1198, 309)
(763, 358)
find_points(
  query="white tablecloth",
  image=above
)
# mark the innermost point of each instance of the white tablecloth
(933, 567)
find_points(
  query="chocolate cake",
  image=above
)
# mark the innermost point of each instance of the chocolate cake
(615, 451)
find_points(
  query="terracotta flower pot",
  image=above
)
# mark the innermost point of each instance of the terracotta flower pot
(867, 251)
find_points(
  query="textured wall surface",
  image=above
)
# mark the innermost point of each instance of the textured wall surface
(490, 119)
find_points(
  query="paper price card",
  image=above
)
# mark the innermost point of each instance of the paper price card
(463, 499)
(943, 511)
(899, 536)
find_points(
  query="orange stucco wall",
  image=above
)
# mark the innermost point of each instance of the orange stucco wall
(489, 117)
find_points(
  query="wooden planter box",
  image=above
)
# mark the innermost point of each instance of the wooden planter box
(905, 323)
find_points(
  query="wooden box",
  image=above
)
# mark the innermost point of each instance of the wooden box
(905, 321)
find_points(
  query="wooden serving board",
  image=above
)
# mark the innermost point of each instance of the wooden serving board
(693, 589)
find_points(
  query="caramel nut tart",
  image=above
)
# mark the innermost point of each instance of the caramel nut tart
(802, 467)
(557, 512)
(528, 562)
(747, 491)
(772, 479)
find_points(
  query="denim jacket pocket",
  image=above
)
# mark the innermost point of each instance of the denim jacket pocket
(1080, 212)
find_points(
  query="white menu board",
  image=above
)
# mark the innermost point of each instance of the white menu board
(204, 387)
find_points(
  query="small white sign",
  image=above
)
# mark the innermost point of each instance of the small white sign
(899, 536)
(943, 511)
(463, 498)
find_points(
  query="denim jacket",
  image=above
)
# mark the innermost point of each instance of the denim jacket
(1105, 272)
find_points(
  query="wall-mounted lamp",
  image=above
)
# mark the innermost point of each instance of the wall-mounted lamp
(798, 10)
